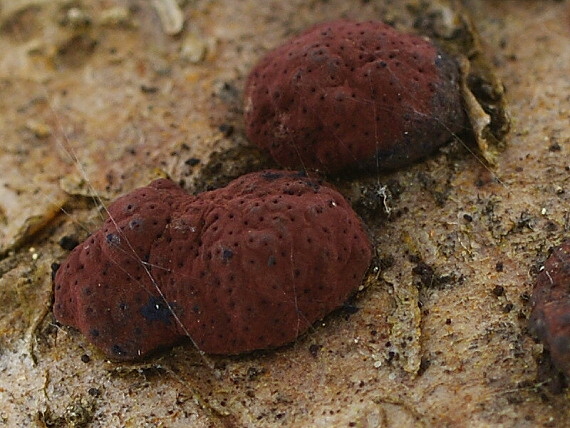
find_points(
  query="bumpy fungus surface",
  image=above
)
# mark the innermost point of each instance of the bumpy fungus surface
(240, 268)
(550, 317)
(353, 94)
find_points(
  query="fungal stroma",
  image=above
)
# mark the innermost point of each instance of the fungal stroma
(347, 94)
(249, 266)
(550, 317)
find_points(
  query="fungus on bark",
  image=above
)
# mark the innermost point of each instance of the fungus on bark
(550, 316)
(353, 94)
(248, 266)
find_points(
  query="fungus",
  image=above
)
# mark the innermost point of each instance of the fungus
(249, 266)
(550, 317)
(353, 94)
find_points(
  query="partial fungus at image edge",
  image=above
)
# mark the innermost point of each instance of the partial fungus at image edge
(550, 316)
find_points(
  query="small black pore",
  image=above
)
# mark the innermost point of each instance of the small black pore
(227, 254)
(113, 239)
(135, 223)
(117, 350)
(157, 309)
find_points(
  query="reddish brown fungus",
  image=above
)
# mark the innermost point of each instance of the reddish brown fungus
(349, 95)
(223, 267)
(550, 317)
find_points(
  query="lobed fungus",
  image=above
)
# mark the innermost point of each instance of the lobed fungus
(550, 317)
(353, 94)
(245, 267)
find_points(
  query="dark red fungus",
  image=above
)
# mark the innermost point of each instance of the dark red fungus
(550, 317)
(248, 266)
(353, 94)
